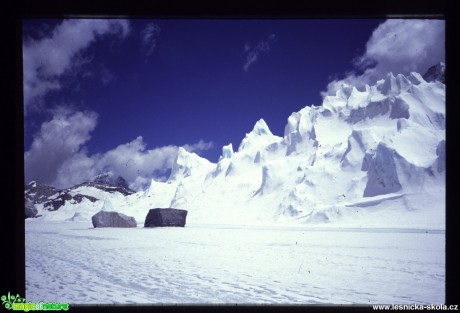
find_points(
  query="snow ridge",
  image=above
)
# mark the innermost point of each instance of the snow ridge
(382, 146)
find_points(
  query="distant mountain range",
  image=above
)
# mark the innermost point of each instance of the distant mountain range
(52, 199)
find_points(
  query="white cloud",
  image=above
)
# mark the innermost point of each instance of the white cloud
(199, 146)
(47, 59)
(58, 154)
(132, 160)
(77, 168)
(397, 46)
(150, 35)
(253, 53)
(59, 139)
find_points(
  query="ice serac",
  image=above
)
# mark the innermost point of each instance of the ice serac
(159, 192)
(259, 138)
(261, 128)
(227, 151)
(382, 177)
(188, 163)
(372, 156)
(300, 134)
(187, 177)
(358, 143)
(107, 206)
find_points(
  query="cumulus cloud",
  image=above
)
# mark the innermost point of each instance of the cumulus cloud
(77, 168)
(149, 37)
(252, 54)
(133, 160)
(58, 140)
(397, 46)
(47, 59)
(58, 155)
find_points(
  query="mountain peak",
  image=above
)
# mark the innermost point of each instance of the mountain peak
(258, 137)
(261, 128)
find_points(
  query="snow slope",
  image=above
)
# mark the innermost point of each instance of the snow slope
(372, 157)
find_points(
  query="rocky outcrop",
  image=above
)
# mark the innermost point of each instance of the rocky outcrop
(165, 218)
(436, 72)
(111, 188)
(53, 199)
(30, 210)
(112, 219)
(39, 193)
(60, 200)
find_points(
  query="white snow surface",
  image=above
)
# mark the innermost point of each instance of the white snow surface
(348, 206)
(201, 263)
(338, 163)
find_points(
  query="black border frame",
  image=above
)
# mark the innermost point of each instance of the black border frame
(12, 274)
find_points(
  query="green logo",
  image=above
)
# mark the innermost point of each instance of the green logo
(9, 300)
(16, 303)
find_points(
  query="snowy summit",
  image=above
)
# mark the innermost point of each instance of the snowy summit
(382, 148)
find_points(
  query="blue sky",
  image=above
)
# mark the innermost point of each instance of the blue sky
(122, 95)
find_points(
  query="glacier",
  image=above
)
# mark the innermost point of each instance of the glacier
(347, 207)
(373, 157)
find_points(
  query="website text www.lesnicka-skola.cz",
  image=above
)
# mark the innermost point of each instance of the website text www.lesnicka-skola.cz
(430, 307)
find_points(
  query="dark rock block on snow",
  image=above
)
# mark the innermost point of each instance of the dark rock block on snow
(165, 217)
(112, 219)
(31, 211)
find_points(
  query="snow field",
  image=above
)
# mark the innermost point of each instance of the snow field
(73, 262)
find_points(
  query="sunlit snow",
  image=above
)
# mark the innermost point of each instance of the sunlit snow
(76, 263)
(347, 207)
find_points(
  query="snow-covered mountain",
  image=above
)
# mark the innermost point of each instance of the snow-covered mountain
(76, 201)
(369, 158)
